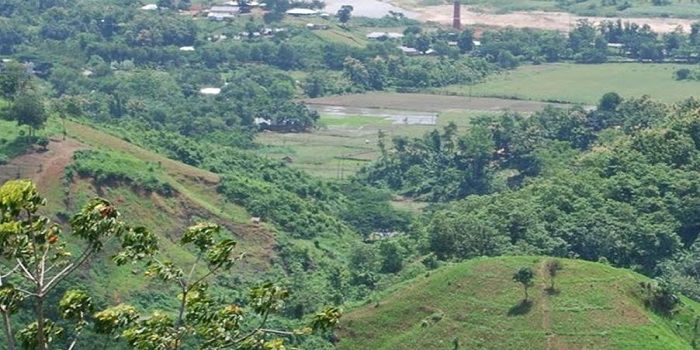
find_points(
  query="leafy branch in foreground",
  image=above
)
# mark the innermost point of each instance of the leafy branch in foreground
(35, 259)
(199, 317)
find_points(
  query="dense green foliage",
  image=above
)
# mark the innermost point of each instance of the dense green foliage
(110, 169)
(617, 183)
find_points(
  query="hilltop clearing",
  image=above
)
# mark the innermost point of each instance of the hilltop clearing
(476, 305)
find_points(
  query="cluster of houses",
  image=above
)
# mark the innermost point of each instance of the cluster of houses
(405, 49)
(228, 10)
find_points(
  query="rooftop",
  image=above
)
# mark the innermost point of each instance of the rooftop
(210, 91)
(388, 35)
(301, 12)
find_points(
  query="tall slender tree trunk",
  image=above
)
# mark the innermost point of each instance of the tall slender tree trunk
(40, 336)
(525, 293)
(8, 331)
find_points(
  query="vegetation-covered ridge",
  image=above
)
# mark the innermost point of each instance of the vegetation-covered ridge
(44, 263)
(477, 305)
(618, 183)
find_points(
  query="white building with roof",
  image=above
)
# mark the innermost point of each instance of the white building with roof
(301, 12)
(149, 7)
(225, 9)
(219, 16)
(384, 35)
(210, 91)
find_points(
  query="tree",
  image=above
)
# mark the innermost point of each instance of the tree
(200, 316)
(36, 259)
(423, 43)
(28, 109)
(609, 102)
(13, 79)
(524, 276)
(392, 259)
(165, 4)
(344, 13)
(553, 266)
(465, 41)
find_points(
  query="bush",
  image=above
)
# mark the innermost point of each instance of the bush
(683, 74)
(106, 167)
(43, 142)
(659, 296)
(4, 159)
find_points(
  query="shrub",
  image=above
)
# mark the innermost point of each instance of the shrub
(107, 167)
(43, 142)
(659, 296)
(683, 74)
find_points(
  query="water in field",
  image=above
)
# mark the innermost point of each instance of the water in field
(394, 115)
(367, 8)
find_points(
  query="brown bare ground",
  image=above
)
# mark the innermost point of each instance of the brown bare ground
(428, 102)
(42, 166)
(47, 167)
(561, 21)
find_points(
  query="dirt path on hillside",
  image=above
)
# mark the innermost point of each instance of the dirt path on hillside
(42, 166)
(538, 19)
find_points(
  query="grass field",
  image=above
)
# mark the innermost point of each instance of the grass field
(476, 305)
(344, 144)
(341, 147)
(578, 83)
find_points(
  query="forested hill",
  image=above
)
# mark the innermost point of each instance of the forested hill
(477, 305)
(616, 184)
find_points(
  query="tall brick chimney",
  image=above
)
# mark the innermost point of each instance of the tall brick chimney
(457, 20)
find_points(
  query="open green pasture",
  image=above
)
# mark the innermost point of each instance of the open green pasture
(579, 83)
(477, 305)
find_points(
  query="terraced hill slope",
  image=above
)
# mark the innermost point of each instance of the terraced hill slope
(476, 305)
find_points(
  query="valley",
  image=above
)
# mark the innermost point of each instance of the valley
(185, 175)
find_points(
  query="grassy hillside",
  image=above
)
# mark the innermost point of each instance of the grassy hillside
(191, 197)
(476, 305)
(580, 83)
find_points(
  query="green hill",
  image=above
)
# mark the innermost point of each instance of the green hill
(476, 305)
(192, 197)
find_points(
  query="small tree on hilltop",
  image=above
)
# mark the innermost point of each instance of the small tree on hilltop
(553, 266)
(344, 13)
(524, 276)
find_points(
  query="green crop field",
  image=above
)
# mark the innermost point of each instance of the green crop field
(476, 305)
(346, 143)
(578, 83)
